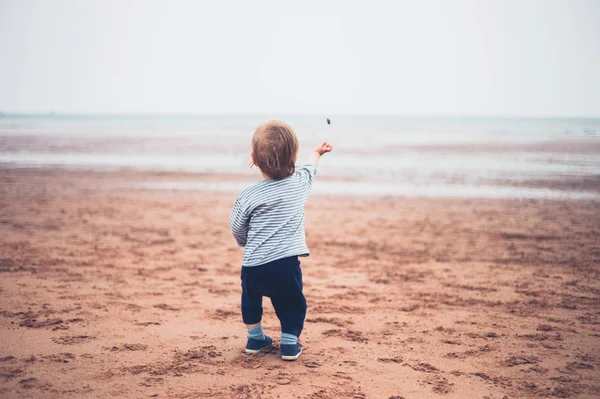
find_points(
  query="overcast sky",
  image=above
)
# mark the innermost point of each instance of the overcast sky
(523, 57)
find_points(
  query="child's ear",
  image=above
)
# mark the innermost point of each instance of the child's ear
(252, 161)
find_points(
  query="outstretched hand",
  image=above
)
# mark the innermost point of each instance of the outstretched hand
(324, 148)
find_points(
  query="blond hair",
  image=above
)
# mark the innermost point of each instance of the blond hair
(274, 149)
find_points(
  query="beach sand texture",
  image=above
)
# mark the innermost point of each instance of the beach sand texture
(108, 292)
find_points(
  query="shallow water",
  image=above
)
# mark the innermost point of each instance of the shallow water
(395, 190)
(387, 154)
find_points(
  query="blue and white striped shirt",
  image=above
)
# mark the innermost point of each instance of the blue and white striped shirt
(268, 218)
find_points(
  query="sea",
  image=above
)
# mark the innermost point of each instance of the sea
(389, 155)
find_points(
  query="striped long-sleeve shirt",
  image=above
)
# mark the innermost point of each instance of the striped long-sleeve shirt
(268, 218)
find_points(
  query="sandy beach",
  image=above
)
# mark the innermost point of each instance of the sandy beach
(108, 291)
(453, 222)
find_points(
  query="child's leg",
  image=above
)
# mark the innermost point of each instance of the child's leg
(252, 314)
(291, 311)
(289, 301)
(252, 309)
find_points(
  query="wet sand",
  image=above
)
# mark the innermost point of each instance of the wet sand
(112, 292)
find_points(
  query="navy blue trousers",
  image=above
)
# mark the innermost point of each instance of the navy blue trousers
(280, 280)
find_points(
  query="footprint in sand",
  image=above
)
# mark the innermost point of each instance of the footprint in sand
(311, 364)
(127, 347)
(60, 358)
(165, 306)
(33, 383)
(8, 375)
(283, 379)
(72, 339)
(351, 335)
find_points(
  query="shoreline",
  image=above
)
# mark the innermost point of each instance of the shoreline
(557, 188)
(545, 168)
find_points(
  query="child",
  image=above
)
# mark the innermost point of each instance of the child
(268, 221)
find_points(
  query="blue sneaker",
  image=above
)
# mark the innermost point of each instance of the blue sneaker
(291, 352)
(255, 345)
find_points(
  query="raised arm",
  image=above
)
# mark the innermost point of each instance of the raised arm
(317, 153)
(309, 169)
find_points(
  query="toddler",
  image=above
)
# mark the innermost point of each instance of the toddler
(268, 221)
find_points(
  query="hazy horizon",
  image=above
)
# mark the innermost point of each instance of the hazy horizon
(496, 59)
